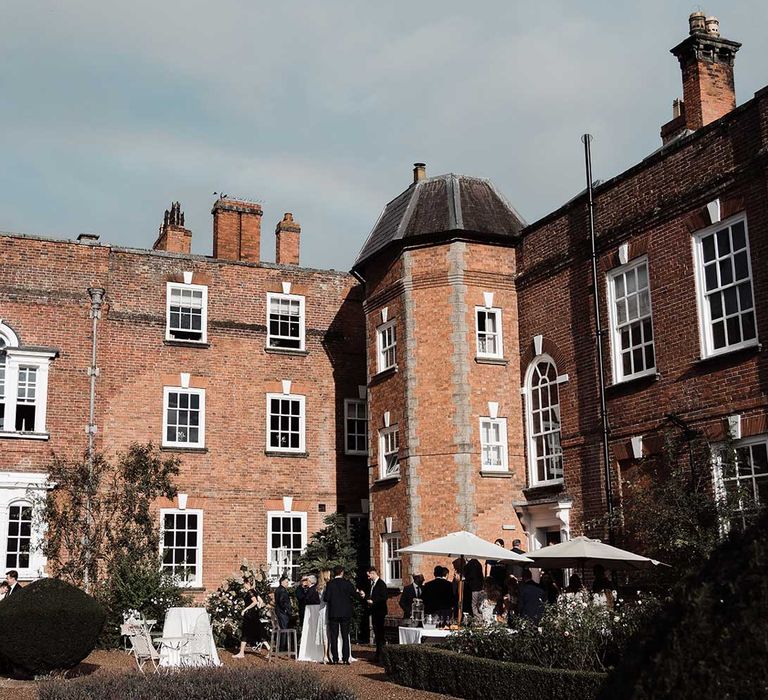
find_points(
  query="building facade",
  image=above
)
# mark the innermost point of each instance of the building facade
(449, 382)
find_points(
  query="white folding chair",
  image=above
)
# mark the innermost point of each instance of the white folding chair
(141, 647)
(197, 650)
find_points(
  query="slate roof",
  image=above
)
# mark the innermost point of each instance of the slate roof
(443, 204)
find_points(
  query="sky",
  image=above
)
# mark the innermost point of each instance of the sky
(110, 111)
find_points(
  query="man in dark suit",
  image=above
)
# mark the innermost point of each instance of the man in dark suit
(377, 607)
(283, 605)
(530, 599)
(438, 594)
(339, 594)
(12, 579)
(410, 593)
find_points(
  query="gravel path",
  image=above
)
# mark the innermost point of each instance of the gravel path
(365, 678)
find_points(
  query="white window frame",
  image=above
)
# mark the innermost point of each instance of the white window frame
(616, 328)
(203, 312)
(348, 403)
(197, 580)
(496, 313)
(382, 350)
(390, 543)
(302, 422)
(16, 360)
(502, 444)
(706, 339)
(275, 575)
(200, 443)
(17, 488)
(750, 480)
(271, 339)
(530, 437)
(384, 433)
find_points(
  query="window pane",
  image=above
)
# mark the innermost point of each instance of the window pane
(723, 242)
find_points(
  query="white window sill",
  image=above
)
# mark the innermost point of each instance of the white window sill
(183, 448)
(181, 342)
(752, 345)
(491, 360)
(496, 473)
(652, 374)
(286, 351)
(544, 484)
(286, 453)
(24, 436)
(389, 477)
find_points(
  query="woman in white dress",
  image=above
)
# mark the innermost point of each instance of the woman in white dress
(321, 637)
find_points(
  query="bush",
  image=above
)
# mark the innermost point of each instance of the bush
(450, 673)
(199, 684)
(225, 605)
(137, 585)
(710, 639)
(49, 625)
(576, 633)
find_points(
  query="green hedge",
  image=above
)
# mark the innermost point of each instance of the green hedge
(198, 684)
(474, 678)
(47, 626)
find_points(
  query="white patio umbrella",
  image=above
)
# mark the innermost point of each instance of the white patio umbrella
(465, 545)
(583, 551)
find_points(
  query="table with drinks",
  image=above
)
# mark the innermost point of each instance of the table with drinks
(427, 627)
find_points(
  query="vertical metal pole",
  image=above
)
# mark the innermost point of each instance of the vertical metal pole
(587, 139)
(97, 299)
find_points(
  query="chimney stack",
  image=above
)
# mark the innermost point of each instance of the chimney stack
(236, 229)
(419, 171)
(173, 237)
(706, 61)
(287, 235)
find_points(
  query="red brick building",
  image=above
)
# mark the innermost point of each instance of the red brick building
(449, 382)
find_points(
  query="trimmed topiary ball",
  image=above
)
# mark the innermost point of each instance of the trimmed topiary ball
(46, 626)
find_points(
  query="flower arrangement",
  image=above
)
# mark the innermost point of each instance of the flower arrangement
(226, 604)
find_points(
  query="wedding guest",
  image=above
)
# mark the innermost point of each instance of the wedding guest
(550, 587)
(12, 579)
(4, 588)
(438, 594)
(498, 569)
(574, 584)
(473, 586)
(410, 593)
(321, 638)
(511, 597)
(601, 582)
(338, 595)
(301, 592)
(283, 607)
(492, 603)
(514, 568)
(254, 631)
(377, 607)
(531, 597)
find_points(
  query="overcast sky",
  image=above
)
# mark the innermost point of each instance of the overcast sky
(110, 111)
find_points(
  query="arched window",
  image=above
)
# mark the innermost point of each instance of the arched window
(19, 541)
(545, 457)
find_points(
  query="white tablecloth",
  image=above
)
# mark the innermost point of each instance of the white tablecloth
(413, 635)
(178, 623)
(314, 635)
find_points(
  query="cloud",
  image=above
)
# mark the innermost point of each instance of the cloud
(111, 111)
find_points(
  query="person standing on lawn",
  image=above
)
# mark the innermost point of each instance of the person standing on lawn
(377, 607)
(338, 595)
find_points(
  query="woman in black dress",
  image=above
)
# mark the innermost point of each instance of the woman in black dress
(254, 631)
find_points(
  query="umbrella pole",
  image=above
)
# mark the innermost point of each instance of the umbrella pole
(461, 589)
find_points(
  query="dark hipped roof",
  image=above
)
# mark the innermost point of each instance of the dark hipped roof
(443, 204)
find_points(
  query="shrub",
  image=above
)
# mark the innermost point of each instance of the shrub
(199, 684)
(137, 585)
(225, 605)
(450, 673)
(710, 639)
(47, 626)
(576, 633)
